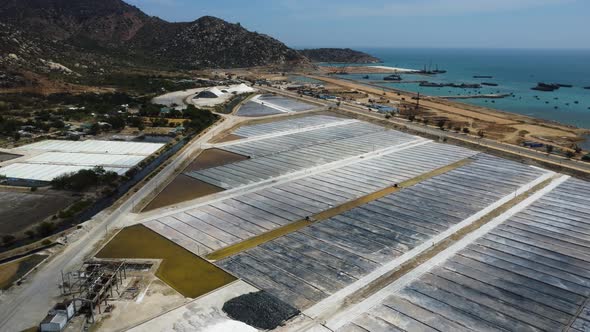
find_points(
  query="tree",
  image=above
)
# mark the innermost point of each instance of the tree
(425, 121)
(466, 130)
(481, 134)
(577, 149)
(411, 117)
(45, 229)
(116, 122)
(441, 124)
(8, 240)
(570, 154)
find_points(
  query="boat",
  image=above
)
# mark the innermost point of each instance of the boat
(482, 76)
(489, 84)
(393, 77)
(432, 85)
(564, 85)
(546, 87)
(366, 77)
(587, 87)
(439, 71)
(466, 86)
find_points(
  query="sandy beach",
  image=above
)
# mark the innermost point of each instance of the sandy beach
(395, 69)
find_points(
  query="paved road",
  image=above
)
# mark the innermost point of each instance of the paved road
(26, 305)
(429, 130)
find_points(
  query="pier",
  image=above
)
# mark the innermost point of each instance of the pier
(482, 96)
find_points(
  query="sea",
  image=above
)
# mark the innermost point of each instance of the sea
(515, 71)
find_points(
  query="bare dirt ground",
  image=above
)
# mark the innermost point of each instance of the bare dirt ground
(7, 156)
(19, 211)
(213, 158)
(503, 126)
(45, 86)
(156, 297)
(183, 188)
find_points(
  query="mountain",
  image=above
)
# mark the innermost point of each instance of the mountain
(66, 35)
(338, 55)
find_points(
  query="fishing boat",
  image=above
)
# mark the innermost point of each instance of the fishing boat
(439, 71)
(489, 84)
(546, 87)
(393, 77)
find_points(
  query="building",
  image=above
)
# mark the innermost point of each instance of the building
(55, 322)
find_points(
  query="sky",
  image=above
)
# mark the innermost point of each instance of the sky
(547, 24)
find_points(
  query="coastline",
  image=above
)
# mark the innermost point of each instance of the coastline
(501, 125)
(395, 69)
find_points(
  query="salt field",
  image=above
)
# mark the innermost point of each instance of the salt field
(324, 207)
(262, 105)
(373, 234)
(528, 274)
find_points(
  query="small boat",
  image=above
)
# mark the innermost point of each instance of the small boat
(432, 85)
(393, 77)
(564, 85)
(482, 76)
(489, 84)
(546, 87)
(587, 87)
(366, 77)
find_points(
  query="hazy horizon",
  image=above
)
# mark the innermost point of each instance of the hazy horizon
(503, 24)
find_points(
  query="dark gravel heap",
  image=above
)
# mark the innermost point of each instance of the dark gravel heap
(260, 310)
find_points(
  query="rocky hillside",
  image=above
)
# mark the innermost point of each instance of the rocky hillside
(66, 35)
(338, 55)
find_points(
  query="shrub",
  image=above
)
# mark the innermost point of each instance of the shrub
(84, 179)
(7, 240)
(45, 229)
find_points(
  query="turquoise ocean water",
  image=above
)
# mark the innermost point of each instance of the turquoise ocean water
(515, 71)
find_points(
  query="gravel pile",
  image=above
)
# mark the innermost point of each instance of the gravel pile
(260, 310)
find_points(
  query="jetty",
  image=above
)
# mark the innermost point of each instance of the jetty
(481, 96)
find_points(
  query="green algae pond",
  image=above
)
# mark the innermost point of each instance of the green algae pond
(182, 270)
